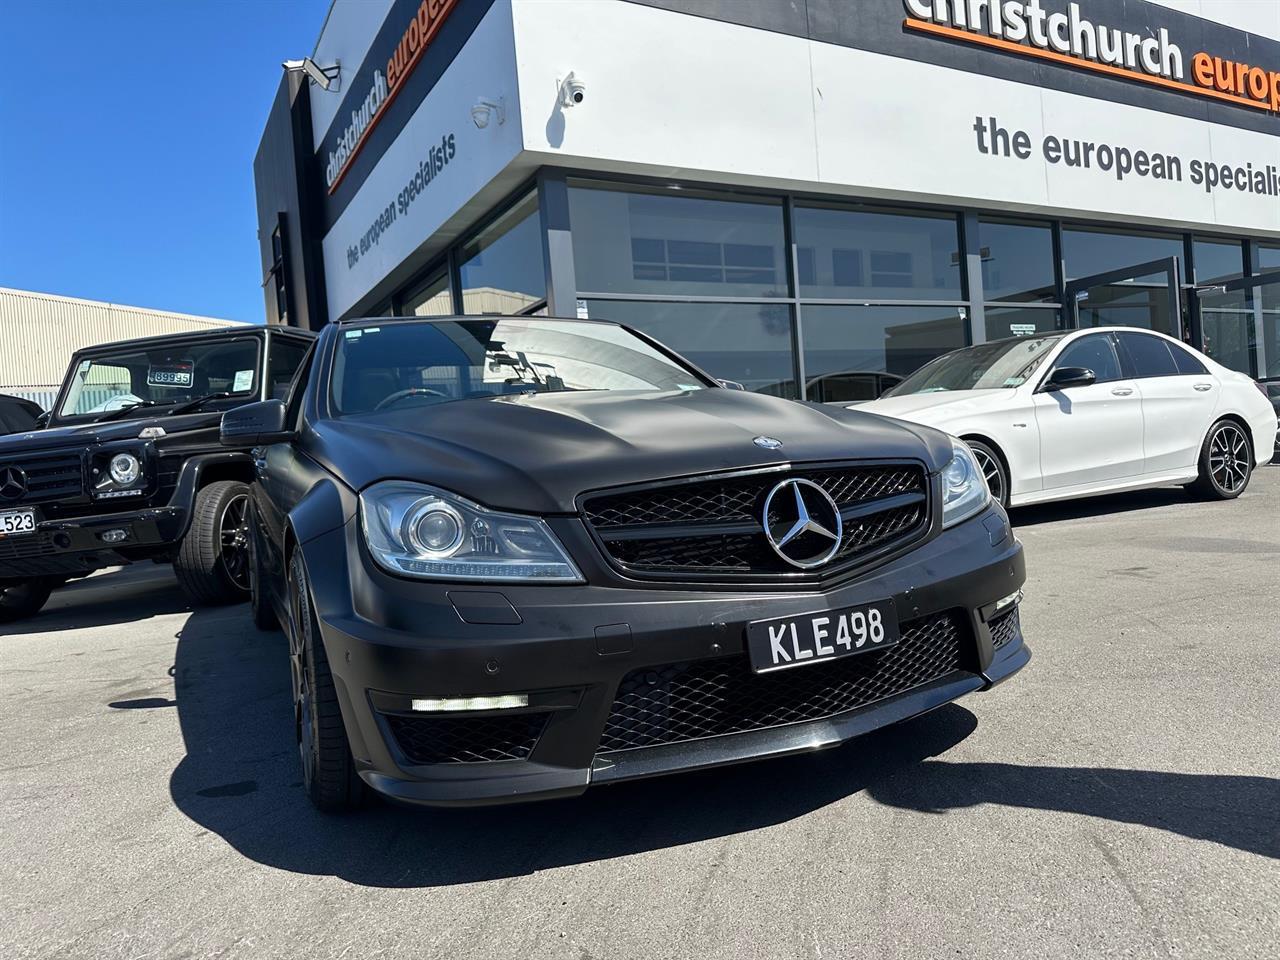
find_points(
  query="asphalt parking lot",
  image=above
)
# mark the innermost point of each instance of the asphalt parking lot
(1120, 797)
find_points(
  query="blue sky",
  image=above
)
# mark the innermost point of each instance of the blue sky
(127, 135)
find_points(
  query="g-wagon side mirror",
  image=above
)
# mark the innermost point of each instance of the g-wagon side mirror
(1065, 377)
(255, 424)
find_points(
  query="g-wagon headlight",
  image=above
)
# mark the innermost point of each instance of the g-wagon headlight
(419, 531)
(964, 488)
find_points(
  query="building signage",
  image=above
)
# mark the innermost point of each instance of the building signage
(417, 35)
(1070, 37)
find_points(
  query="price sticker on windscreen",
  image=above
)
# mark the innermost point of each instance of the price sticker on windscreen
(170, 373)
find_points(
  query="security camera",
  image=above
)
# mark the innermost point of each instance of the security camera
(572, 91)
(486, 107)
(326, 78)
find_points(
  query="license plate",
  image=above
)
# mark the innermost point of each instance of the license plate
(817, 637)
(14, 522)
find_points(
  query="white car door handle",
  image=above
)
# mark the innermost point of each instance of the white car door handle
(1202, 387)
(1121, 391)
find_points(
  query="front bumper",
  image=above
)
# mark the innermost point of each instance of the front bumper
(617, 676)
(73, 546)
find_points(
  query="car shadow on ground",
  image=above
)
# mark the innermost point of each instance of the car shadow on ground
(136, 592)
(1108, 505)
(239, 779)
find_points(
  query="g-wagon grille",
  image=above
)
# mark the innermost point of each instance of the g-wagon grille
(467, 739)
(49, 477)
(713, 527)
(709, 698)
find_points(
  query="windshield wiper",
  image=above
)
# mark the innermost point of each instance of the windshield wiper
(121, 411)
(197, 403)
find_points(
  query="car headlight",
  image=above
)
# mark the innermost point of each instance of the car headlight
(419, 531)
(964, 489)
(125, 469)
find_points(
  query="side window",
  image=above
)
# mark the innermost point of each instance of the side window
(1187, 361)
(1149, 355)
(298, 388)
(286, 357)
(1094, 352)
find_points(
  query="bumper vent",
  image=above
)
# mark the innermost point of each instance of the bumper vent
(1005, 628)
(467, 739)
(711, 528)
(709, 698)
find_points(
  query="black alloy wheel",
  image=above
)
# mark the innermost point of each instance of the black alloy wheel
(328, 769)
(993, 471)
(212, 563)
(1226, 462)
(233, 533)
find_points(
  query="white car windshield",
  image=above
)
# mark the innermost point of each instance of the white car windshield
(987, 366)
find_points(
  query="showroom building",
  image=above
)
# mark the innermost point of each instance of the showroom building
(810, 197)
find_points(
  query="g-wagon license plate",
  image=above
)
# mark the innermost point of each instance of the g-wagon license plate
(817, 637)
(14, 522)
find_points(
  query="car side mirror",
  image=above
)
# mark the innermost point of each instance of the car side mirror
(255, 425)
(42, 421)
(1065, 377)
(731, 384)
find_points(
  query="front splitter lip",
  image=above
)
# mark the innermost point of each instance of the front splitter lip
(523, 781)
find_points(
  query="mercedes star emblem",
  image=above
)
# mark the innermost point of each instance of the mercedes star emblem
(13, 483)
(802, 523)
(769, 443)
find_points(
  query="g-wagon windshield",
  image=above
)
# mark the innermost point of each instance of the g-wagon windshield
(987, 366)
(400, 363)
(138, 378)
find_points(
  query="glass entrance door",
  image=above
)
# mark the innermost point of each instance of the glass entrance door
(1240, 324)
(1146, 295)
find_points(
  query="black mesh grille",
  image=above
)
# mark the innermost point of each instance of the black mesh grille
(1004, 628)
(467, 739)
(678, 528)
(49, 477)
(707, 698)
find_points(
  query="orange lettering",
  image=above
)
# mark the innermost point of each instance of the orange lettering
(1202, 68)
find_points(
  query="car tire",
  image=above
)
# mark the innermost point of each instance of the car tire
(993, 469)
(212, 562)
(20, 599)
(328, 769)
(261, 609)
(1226, 462)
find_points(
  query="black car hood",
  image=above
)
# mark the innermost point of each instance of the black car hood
(537, 453)
(85, 434)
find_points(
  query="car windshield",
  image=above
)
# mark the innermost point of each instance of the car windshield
(400, 363)
(987, 366)
(138, 378)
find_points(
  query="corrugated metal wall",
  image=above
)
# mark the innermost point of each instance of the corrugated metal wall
(40, 331)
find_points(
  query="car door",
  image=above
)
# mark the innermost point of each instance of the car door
(1089, 435)
(1179, 397)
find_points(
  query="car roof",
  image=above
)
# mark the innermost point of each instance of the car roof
(455, 318)
(216, 333)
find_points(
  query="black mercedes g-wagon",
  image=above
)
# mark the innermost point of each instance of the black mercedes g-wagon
(518, 556)
(128, 466)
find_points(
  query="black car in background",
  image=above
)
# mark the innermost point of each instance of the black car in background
(518, 556)
(129, 466)
(18, 414)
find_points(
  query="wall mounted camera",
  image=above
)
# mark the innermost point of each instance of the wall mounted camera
(487, 107)
(326, 78)
(572, 90)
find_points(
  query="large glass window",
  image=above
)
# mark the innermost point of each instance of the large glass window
(1266, 257)
(675, 243)
(430, 299)
(850, 342)
(1217, 260)
(748, 343)
(1089, 251)
(502, 269)
(849, 254)
(1017, 261)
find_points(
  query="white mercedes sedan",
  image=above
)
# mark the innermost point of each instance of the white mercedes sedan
(1092, 411)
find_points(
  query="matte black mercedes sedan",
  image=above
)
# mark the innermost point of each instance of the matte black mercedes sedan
(517, 556)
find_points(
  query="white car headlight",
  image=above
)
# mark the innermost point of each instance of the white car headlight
(964, 489)
(419, 531)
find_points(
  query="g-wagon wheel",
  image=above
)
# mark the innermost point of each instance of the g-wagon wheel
(328, 770)
(20, 599)
(213, 561)
(1226, 462)
(993, 469)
